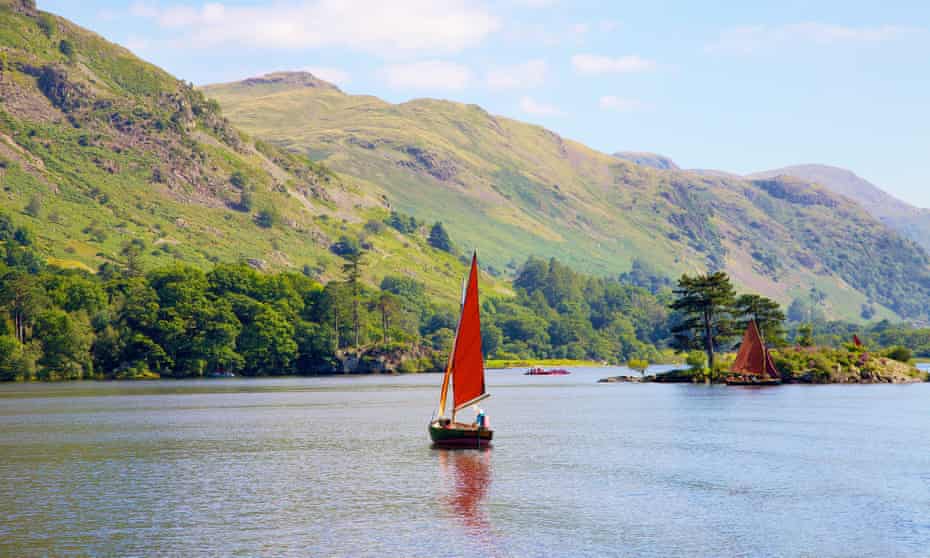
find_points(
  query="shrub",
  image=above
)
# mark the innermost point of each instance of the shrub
(346, 246)
(899, 353)
(697, 360)
(66, 47)
(268, 217)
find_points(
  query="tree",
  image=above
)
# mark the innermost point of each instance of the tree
(66, 342)
(388, 305)
(267, 217)
(639, 365)
(17, 361)
(767, 314)
(24, 299)
(346, 246)
(704, 304)
(132, 254)
(267, 344)
(491, 339)
(805, 335)
(353, 271)
(66, 47)
(439, 238)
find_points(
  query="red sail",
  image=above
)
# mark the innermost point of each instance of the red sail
(856, 341)
(467, 362)
(753, 358)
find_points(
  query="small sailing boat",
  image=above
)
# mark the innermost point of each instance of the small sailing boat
(753, 365)
(465, 373)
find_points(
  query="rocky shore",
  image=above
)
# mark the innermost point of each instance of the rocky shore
(808, 366)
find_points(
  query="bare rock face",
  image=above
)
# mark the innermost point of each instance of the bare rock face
(441, 169)
(25, 7)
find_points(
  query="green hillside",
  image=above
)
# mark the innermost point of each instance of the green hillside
(99, 148)
(912, 222)
(515, 189)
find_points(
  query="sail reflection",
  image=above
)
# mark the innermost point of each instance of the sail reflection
(466, 478)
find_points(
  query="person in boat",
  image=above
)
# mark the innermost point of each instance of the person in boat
(481, 419)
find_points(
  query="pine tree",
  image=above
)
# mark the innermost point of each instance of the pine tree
(353, 270)
(766, 312)
(705, 304)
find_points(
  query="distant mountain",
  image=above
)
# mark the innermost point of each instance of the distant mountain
(912, 222)
(653, 160)
(513, 190)
(106, 149)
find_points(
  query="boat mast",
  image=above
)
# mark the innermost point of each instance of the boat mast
(448, 374)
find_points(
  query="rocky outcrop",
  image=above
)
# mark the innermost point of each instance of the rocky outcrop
(25, 7)
(439, 168)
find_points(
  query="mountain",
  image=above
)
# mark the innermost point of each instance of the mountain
(653, 160)
(910, 221)
(99, 148)
(514, 189)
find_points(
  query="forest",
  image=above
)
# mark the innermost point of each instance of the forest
(181, 321)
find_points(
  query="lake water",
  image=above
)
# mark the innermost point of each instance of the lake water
(341, 466)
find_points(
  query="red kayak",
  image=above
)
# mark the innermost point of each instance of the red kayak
(541, 372)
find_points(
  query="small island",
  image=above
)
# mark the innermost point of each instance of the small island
(804, 365)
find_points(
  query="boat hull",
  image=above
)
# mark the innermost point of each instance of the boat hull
(752, 381)
(457, 435)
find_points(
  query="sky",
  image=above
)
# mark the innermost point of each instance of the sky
(728, 85)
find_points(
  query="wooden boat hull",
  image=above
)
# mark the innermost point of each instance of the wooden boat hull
(459, 435)
(751, 381)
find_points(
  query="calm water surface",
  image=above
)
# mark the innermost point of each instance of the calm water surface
(342, 467)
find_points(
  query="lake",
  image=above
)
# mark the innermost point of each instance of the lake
(342, 466)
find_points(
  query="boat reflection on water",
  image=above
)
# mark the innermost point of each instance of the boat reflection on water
(466, 476)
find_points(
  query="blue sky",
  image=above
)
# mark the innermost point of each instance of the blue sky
(737, 86)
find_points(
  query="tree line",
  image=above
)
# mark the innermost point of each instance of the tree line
(181, 321)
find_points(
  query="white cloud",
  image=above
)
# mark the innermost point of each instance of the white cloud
(534, 107)
(330, 74)
(596, 64)
(753, 38)
(528, 74)
(429, 74)
(608, 25)
(620, 104)
(370, 25)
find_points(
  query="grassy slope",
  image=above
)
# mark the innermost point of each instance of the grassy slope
(514, 190)
(93, 163)
(910, 221)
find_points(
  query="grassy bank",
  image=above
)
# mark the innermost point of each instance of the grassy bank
(544, 363)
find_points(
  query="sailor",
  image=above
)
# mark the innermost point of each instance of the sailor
(480, 418)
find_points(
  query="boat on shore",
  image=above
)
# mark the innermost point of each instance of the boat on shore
(542, 372)
(753, 365)
(465, 375)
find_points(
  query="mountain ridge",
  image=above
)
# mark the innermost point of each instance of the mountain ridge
(513, 188)
(108, 149)
(909, 220)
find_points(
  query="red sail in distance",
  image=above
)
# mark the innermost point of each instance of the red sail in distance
(856, 341)
(753, 358)
(467, 361)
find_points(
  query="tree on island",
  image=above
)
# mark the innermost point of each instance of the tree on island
(639, 365)
(766, 312)
(705, 305)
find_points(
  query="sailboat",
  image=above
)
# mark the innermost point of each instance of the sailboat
(753, 365)
(465, 374)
